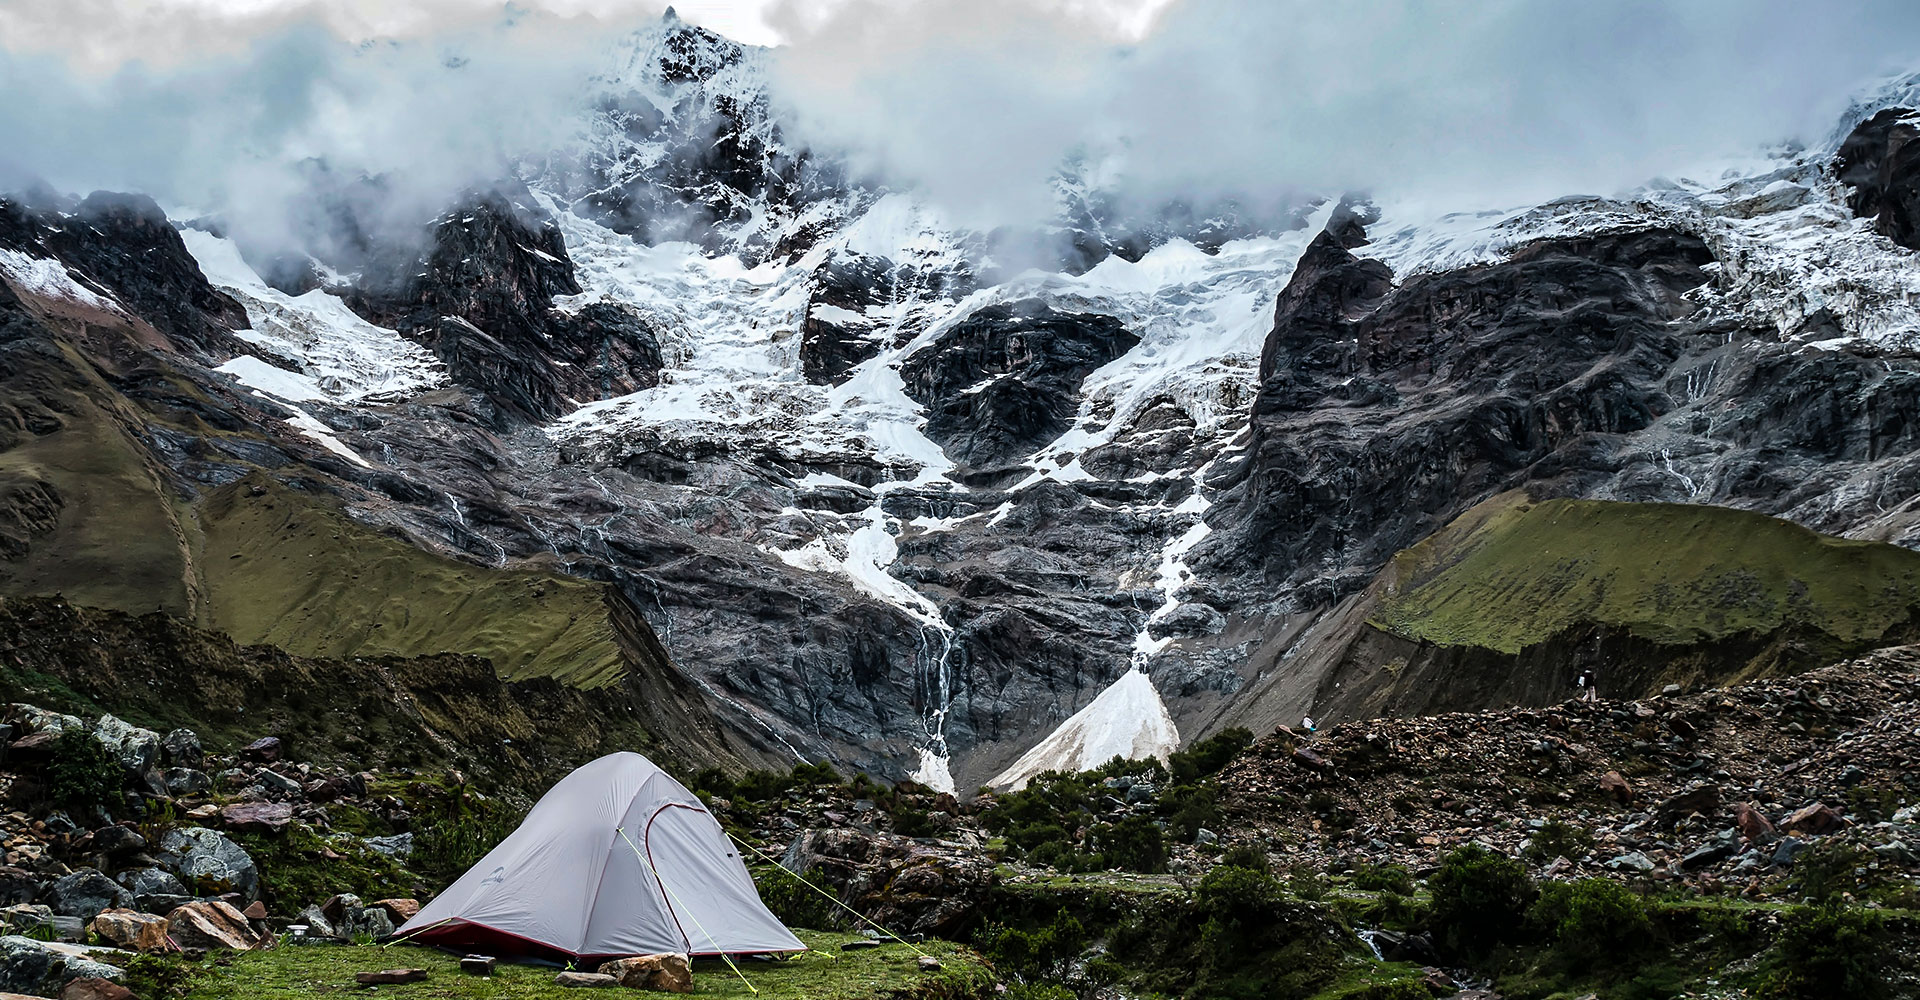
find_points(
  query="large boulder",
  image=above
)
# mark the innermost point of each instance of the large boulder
(17, 885)
(183, 749)
(131, 930)
(184, 781)
(138, 749)
(32, 967)
(34, 719)
(211, 924)
(85, 893)
(154, 889)
(898, 882)
(209, 863)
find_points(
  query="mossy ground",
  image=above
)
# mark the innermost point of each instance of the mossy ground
(293, 570)
(826, 973)
(1511, 574)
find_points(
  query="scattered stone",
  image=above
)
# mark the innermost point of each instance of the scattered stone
(477, 965)
(585, 979)
(318, 924)
(117, 840)
(338, 907)
(138, 749)
(1614, 785)
(95, 988)
(1204, 837)
(266, 748)
(85, 893)
(399, 910)
(664, 973)
(390, 977)
(32, 967)
(1752, 823)
(1310, 760)
(1816, 819)
(131, 930)
(1670, 689)
(209, 863)
(255, 910)
(182, 748)
(1633, 861)
(1704, 800)
(928, 963)
(203, 813)
(400, 845)
(271, 817)
(274, 781)
(211, 924)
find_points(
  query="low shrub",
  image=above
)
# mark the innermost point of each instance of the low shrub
(83, 773)
(794, 902)
(1593, 920)
(1829, 951)
(1479, 900)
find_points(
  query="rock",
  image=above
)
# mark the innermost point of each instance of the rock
(203, 813)
(68, 928)
(85, 893)
(318, 924)
(1615, 785)
(1204, 837)
(399, 910)
(1140, 791)
(1752, 823)
(1709, 855)
(131, 930)
(390, 977)
(1670, 689)
(368, 921)
(266, 748)
(400, 845)
(665, 973)
(145, 882)
(590, 980)
(138, 749)
(185, 781)
(38, 720)
(271, 817)
(211, 924)
(95, 988)
(1880, 162)
(22, 917)
(1788, 849)
(275, 782)
(31, 967)
(1704, 800)
(477, 965)
(1310, 760)
(1815, 819)
(928, 963)
(255, 910)
(17, 885)
(338, 907)
(117, 840)
(1632, 861)
(58, 823)
(182, 749)
(208, 863)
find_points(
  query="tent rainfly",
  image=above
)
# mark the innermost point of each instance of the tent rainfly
(617, 859)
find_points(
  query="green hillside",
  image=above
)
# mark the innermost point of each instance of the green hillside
(1512, 574)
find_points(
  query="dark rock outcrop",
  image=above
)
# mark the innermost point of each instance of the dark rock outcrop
(1006, 379)
(482, 298)
(1881, 162)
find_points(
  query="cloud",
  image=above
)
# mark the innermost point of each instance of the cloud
(214, 103)
(1495, 102)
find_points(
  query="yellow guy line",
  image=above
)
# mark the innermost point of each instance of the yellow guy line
(823, 892)
(696, 920)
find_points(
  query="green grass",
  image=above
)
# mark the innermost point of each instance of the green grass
(295, 571)
(827, 973)
(1511, 574)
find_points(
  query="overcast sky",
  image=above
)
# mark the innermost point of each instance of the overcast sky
(973, 102)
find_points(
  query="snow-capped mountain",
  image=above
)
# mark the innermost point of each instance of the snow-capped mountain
(885, 501)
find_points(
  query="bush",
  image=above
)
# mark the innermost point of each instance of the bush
(1209, 756)
(1190, 807)
(158, 977)
(1829, 951)
(1559, 839)
(84, 773)
(796, 904)
(1479, 899)
(1593, 919)
(1830, 869)
(1035, 954)
(1383, 878)
(1246, 856)
(1134, 844)
(445, 846)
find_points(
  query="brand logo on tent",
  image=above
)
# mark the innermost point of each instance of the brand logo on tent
(496, 877)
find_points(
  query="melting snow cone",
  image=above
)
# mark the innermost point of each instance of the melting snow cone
(617, 859)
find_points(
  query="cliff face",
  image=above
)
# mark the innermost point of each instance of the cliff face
(833, 474)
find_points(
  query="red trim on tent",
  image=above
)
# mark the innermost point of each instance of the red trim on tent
(462, 933)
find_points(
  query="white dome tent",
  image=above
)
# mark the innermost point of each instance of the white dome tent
(616, 859)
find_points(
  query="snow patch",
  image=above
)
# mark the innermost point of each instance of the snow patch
(1127, 720)
(48, 278)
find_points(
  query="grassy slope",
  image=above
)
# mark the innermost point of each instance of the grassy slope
(824, 974)
(291, 569)
(1511, 574)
